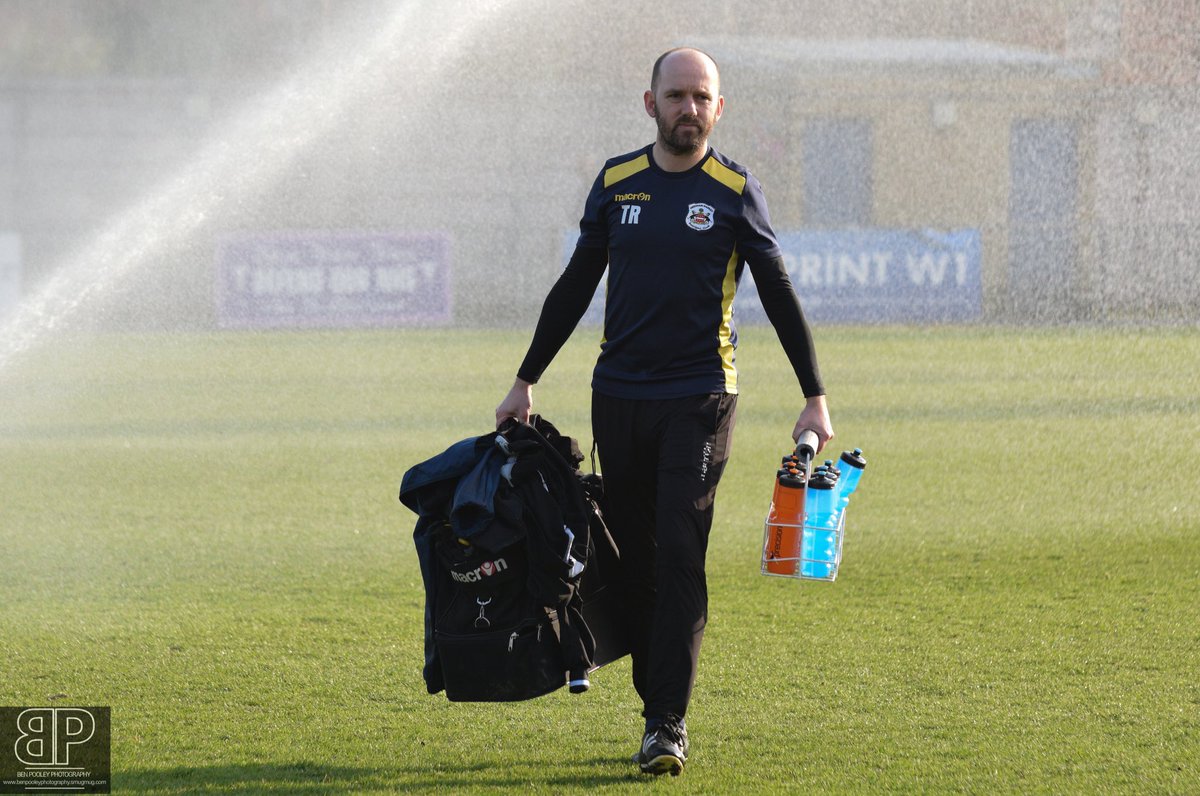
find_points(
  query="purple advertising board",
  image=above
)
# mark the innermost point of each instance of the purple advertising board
(333, 279)
(878, 276)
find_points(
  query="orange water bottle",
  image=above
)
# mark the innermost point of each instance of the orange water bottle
(785, 520)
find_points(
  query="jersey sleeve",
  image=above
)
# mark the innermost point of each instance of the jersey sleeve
(593, 231)
(760, 249)
(783, 309)
(756, 237)
(568, 300)
(565, 304)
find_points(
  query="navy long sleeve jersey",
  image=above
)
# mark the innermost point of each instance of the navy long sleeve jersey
(675, 244)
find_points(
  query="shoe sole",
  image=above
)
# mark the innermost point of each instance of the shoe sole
(663, 764)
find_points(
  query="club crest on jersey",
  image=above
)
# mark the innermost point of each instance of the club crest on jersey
(700, 216)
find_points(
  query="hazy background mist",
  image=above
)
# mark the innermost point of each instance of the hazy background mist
(138, 137)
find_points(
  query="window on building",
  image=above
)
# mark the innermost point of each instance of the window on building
(837, 163)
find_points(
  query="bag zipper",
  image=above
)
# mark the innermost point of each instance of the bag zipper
(512, 639)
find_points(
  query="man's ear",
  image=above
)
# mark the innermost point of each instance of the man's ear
(651, 108)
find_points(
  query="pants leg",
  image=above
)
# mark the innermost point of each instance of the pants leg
(630, 484)
(662, 461)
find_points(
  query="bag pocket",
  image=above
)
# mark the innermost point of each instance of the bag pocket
(507, 665)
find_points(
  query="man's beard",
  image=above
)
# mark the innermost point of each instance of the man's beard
(687, 142)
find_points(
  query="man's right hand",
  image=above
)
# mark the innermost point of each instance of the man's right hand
(518, 403)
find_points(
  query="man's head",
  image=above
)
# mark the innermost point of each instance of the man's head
(684, 99)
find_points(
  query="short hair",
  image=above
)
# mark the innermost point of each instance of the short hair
(658, 63)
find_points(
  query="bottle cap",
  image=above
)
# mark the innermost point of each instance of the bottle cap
(821, 479)
(854, 458)
(792, 479)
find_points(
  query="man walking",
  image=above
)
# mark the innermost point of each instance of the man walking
(674, 223)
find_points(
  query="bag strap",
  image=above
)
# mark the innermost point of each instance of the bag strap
(543, 443)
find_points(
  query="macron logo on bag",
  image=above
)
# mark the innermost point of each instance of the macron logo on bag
(484, 570)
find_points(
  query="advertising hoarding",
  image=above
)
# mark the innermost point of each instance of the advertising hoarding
(305, 279)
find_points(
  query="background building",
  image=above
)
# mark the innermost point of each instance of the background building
(1062, 133)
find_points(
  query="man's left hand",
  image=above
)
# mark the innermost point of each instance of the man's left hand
(816, 417)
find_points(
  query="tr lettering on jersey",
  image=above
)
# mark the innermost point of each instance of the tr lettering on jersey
(630, 213)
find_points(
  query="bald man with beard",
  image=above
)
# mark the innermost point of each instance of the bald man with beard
(674, 223)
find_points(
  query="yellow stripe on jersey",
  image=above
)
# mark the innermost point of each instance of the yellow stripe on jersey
(725, 336)
(724, 175)
(604, 331)
(615, 174)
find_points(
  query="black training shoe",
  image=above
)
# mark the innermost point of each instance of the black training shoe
(664, 749)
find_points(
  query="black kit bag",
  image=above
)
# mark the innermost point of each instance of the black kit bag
(493, 641)
(506, 624)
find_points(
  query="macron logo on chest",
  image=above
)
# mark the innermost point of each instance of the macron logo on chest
(630, 213)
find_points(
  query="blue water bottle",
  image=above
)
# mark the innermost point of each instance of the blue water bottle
(852, 466)
(819, 551)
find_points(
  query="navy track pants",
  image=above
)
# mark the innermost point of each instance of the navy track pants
(661, 461)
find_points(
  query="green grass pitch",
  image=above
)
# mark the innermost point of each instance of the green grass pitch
(202, 532)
